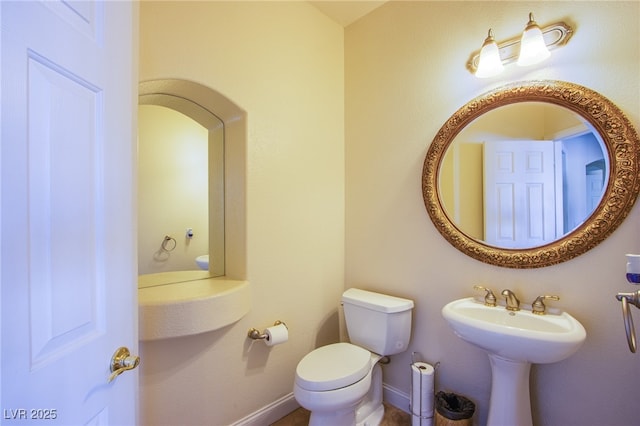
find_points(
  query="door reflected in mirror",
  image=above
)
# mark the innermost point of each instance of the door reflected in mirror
(180, 187)
(523, 175)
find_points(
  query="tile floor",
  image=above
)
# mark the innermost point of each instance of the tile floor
(392, 417)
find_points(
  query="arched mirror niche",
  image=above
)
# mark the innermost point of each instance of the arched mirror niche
(180, 186)
(190, 139)
(532, 174)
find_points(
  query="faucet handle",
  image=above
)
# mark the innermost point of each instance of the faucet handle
(538, 307)
(489, 297)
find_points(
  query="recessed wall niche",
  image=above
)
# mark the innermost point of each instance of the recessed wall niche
(232, 216)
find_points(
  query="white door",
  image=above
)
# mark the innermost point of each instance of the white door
(595, 187)
(519, 194)
(67, 211)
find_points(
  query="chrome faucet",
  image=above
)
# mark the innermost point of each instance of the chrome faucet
(513, 304)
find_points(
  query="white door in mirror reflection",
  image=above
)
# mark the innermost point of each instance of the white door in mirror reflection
(595, 184)
(521, 183)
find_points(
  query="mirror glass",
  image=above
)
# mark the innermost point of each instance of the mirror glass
(180, 188)
(523, 175)
(532, 174)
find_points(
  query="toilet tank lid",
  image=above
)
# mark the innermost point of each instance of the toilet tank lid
(376, 301)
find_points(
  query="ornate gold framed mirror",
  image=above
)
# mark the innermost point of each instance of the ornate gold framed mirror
(532, 222)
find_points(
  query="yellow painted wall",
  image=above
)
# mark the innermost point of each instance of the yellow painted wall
(405, 76)
(282, 62)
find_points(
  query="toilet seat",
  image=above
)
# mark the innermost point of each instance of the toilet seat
(332, 367)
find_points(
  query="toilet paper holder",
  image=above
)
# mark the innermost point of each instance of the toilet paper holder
(255, 334)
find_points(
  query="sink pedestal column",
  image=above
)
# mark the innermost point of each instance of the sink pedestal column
(509, 403)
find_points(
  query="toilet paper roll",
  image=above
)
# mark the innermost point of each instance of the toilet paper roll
(276, 335)
(422, 393)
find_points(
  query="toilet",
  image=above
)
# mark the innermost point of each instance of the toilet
(341, 384)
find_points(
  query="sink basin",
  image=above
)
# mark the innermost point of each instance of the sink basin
(513, 341)
(203, 262)
(519, 335)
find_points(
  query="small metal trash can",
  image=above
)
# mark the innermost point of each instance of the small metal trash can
(453, 410)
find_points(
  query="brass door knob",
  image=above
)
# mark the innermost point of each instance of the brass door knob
(121, 361)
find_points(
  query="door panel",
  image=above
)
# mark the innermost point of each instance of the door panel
(64, 226)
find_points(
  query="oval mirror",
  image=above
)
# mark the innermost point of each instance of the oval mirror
(532, 174)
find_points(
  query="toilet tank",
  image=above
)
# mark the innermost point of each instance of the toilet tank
(377, 322)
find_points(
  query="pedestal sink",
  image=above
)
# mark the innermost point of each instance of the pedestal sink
(203, 262)
(514, 340)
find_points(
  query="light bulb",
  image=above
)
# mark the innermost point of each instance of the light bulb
(489, 63)
(533, 49)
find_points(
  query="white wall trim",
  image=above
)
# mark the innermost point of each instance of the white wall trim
(396, 397)
(270, 413)
(276, 410)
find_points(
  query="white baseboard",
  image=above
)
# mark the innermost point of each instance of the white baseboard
(278, 409)
(396, 397)
(270, 413)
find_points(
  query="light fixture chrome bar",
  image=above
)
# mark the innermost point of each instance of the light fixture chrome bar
(555, 35)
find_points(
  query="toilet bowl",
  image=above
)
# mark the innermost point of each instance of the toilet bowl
(341, 384)
(332, 380)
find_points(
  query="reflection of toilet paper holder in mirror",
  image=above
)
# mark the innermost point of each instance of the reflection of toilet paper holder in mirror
(255, 334)
(626, 299)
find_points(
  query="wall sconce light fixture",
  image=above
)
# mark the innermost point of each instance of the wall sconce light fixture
(489, 62)
(529, 49)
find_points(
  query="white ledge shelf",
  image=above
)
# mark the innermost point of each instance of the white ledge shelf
(190, 307)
